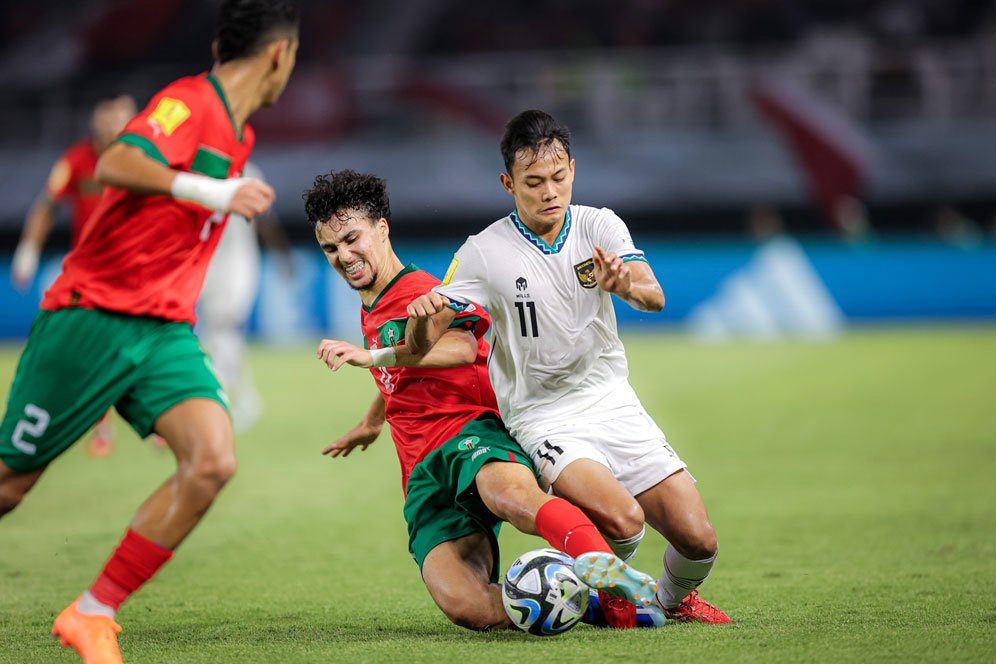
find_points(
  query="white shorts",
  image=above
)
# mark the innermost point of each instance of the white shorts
(626, 440)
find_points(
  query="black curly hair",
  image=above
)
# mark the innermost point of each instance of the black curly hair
(532, 130)
(246, 26)
(338, 192)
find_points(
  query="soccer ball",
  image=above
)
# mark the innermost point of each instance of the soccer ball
(542, 594)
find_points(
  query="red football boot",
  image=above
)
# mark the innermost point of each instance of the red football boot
(695, 609)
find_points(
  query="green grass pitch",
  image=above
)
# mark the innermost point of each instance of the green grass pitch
(852, 484)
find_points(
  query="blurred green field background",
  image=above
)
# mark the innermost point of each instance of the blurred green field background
(852, 484)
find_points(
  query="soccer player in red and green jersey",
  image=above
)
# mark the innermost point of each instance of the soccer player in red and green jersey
(115, 328)
(73, 180)
(462, 473)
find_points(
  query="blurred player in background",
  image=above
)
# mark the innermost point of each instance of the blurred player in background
(461, 471)
(546, 274)
(227, 299)
(72, 181)
(115, 327)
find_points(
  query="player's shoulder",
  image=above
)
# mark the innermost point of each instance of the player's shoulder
(586, 214)
(418, 278)
(197, 84)
(493, 235)
(182, 96)
(412, 282)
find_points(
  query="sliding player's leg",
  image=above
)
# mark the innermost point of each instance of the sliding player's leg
(461, 576)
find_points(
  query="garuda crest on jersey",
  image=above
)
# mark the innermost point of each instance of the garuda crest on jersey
(586, 273)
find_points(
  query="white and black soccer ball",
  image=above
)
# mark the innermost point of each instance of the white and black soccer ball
(542, 594)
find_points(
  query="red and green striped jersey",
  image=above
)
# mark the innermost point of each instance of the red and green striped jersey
(147, 255)
(425, 407)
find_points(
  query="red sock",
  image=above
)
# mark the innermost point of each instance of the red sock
(568, 529)
(134, 562)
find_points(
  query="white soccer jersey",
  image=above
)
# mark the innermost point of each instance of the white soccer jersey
(556, 351)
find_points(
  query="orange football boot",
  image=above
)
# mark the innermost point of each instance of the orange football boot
(94, 637)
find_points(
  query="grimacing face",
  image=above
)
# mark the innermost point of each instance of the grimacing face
(356, 246)
(541, 182)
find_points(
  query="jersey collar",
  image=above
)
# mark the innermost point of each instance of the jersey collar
(411, 267)
(537, 241)
(216, 84)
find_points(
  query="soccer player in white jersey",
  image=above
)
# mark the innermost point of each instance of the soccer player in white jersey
(226, 302)
(546, 274)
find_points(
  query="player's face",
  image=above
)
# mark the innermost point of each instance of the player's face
(356, 246)
(281, 74)
(541, 182)
(110, 117)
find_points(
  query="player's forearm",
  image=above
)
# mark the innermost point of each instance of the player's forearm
(421, 334)
(127, 167)
(376, 414)
(452, 350)
(645, 296)
(39, 223)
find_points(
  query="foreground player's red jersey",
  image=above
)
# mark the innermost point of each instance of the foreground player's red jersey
(147, 255)
(425, 407)
(72, 180)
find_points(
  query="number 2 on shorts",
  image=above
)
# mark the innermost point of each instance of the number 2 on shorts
(34, 424)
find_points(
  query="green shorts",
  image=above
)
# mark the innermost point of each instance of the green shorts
(443, 503)
(80, 362)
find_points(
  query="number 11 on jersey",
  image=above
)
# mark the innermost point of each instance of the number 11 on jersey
(531, 329)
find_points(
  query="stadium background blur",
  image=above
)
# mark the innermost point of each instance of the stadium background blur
(861, 127)
(820, 170)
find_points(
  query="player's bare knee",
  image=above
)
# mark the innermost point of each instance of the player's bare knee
(12, 491)
(215, 470)
(512, 504)
(622, 522)
(210, 469)
(701, 543)
(9, 498)
(468, 614)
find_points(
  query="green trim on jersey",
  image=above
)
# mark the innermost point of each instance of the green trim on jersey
(627, 259)
(210, 162)
(145, 145)
(411, 267)
(224, 100)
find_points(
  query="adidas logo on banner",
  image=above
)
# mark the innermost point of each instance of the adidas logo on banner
(777, 295)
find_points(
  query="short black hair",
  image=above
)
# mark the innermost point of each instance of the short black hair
(340, 191)
(532, 130)
(245, 26)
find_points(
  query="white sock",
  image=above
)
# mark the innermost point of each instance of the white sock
(681, 576)
(626, 548)
(90, 604)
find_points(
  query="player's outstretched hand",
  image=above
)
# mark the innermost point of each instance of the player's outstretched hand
(428, 305)
(336, 353)
(361, 436)
(611, 273)
(252, 199)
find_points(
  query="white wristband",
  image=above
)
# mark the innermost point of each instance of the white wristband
(25, 262)
(211, 193)
(383, 357)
